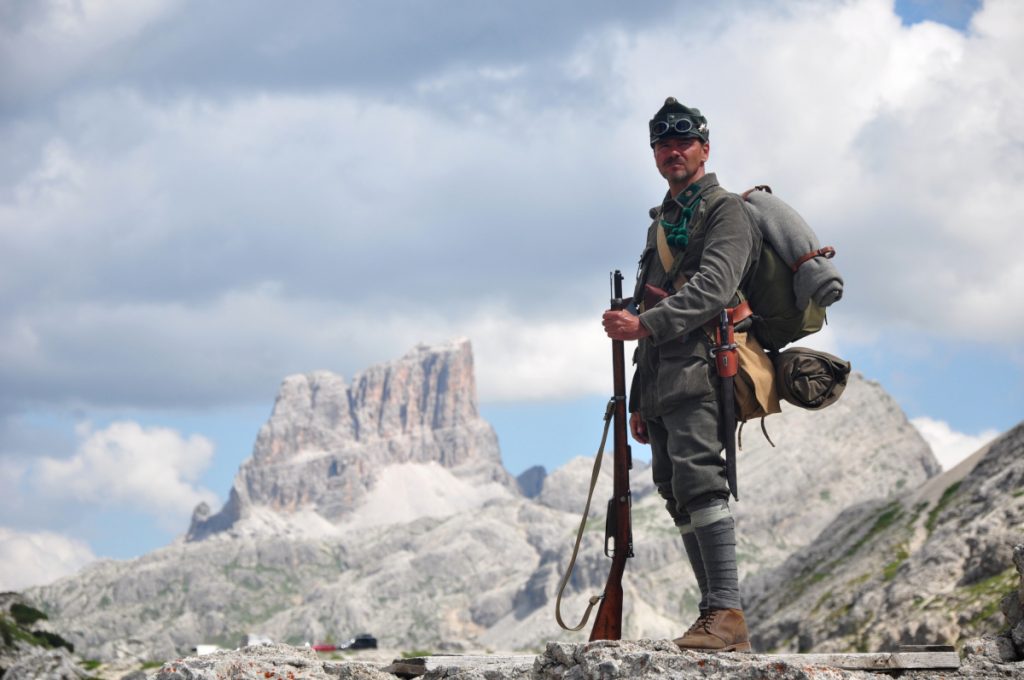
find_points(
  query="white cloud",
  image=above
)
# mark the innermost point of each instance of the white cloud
(37, 558)
(222, 241)
(948, 445)
(900, 144)
(59, 38)
(149, 470)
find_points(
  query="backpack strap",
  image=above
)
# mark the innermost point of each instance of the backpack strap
(828, 252)
(667, 258)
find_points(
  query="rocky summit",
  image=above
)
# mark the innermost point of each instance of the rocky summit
(326, 442)
(381, 505)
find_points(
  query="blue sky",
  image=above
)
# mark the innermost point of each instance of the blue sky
(198, 199)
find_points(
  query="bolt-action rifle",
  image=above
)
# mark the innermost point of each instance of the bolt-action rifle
(618, 533)
(619, 525)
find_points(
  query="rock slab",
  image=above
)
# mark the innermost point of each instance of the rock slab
(602, 660)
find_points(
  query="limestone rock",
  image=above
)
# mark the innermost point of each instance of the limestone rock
(1012, 605)
(45, 664)
(262, 662)
(929, 567)
(325, 441)
(531, 481)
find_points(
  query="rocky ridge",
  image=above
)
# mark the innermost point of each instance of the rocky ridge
(928, 567)
(476, 576)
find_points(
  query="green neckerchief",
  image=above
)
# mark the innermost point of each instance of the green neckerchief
(676, 233)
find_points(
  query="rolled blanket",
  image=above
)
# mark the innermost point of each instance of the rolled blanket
(810, 378)
(816, 279)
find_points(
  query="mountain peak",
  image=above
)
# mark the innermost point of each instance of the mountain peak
(326, 441)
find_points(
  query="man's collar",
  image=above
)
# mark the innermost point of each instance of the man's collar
(689, 195)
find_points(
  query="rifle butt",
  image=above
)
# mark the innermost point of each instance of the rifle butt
(608, 622)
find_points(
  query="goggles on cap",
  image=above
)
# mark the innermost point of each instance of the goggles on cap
(677, 124)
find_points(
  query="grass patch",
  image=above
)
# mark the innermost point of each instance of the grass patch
(91, 664)
(416, 653)
(989, 593)
(10, 631)
(146, 665)
(25, 615)
(52, 640)
(821, 601)
(947, 496)
(863, 578)
(889, 571)
(889, 515)
(839, 613)
(918, 509)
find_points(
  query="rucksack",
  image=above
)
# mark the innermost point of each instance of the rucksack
(788, 292)
(795, 280)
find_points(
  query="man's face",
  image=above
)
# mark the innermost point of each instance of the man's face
(681, 160)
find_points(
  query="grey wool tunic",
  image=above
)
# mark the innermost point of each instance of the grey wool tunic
(674, 363)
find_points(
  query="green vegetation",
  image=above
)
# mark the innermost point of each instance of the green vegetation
(989, 593)
(889, 571)
(151, 664)
(854, 582)
(918, 509)
(11, 631)
(890, 513)
(52, 640)
(888, 516)
(25, 615)
(416, 653)
(825, 495)
(821, 601)
(91, 664)
(947, 496)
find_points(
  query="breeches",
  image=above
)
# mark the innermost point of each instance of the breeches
(686, 458)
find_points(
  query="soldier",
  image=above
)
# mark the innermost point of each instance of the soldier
(708, 244)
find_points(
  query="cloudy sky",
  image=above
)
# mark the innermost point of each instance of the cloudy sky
(198, 199)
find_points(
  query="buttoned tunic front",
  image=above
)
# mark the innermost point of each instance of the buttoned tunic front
(675, 386)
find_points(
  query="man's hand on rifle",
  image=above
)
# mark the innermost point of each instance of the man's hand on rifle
(638, 428)
(621, 325)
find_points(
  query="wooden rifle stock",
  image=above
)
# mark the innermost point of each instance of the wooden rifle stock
(619, 523)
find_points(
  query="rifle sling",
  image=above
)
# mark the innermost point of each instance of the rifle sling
(583, 524)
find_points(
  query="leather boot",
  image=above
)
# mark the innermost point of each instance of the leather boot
(720, 630)
(698, 625)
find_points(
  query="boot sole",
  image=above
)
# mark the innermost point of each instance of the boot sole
(741, 647)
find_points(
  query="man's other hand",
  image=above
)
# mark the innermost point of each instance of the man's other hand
(638, 427)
